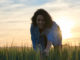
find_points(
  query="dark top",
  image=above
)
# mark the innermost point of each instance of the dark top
(43, 41)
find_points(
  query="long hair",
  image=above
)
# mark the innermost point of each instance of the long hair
(45, 14)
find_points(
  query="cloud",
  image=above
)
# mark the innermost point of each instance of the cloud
(61, 5)
(20, 10)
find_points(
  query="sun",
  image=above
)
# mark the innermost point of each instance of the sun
(66, 25)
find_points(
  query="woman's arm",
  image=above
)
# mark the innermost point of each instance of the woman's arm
(48, 42)
(33, 37)
(48, 46)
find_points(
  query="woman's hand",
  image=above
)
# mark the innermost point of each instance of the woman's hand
(45, 52)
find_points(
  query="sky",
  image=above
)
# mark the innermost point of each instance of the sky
(15, 20)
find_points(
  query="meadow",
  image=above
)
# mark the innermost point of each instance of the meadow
(27, 53)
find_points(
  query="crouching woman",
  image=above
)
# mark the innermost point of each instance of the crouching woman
(44, 32)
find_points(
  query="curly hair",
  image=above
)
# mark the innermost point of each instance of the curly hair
(45, 14)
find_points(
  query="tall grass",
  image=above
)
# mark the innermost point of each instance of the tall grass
(25, 53)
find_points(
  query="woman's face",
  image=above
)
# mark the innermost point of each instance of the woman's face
(40, 21)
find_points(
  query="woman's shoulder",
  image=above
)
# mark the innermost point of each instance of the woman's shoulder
(54, 26)
(33, 28)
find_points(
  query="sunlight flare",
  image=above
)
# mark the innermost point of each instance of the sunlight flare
(66, 25)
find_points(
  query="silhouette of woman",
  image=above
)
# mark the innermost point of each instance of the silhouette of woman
(44, 32)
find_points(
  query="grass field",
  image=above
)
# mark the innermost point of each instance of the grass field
(25, 53)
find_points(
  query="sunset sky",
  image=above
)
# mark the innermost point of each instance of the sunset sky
(15, 20)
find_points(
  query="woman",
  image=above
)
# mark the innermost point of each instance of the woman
(44, 31)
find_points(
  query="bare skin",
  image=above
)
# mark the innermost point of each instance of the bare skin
(40, 22)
